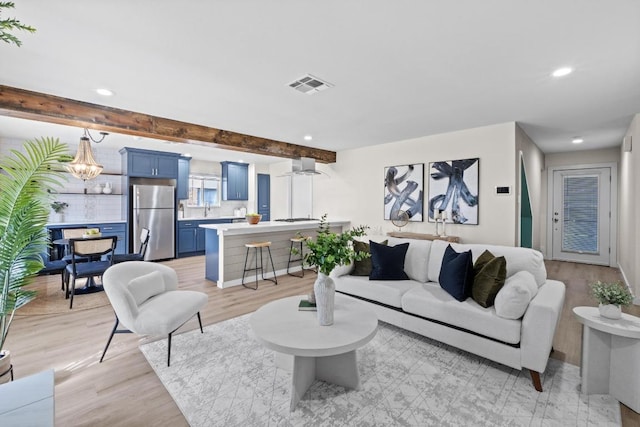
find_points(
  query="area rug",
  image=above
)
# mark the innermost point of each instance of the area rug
(226, 378)
(50, 298)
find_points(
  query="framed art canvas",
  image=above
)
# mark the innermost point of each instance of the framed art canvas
(403, 191)
(453, 190)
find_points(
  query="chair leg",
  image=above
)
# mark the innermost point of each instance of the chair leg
(244, 270)
(72, 290)
(273, 268)
(169, 350)
(113, 331)
(200, 322)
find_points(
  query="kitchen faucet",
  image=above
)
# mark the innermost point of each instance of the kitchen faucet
(207, 208)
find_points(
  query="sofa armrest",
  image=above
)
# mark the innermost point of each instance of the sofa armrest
(342, 270)
(539, 325)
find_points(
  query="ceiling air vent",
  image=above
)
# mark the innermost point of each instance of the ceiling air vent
(309, 84)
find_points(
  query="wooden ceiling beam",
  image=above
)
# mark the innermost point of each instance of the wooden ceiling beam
(42, 107)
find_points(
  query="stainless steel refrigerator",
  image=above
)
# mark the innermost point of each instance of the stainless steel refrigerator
(153, 208)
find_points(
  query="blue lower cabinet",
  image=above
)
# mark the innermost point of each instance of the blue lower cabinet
(118, 229)
(191, 238)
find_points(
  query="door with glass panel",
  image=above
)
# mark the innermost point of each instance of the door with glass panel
(581, 215)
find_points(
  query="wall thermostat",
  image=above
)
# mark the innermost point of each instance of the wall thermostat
(501, 191)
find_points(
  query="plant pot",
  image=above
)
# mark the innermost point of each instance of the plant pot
(610, 311)
(325, 291)
(5, 366)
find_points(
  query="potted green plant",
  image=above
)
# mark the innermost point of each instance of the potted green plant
(611, 297)
(58, 208)
(24, 210)
(325, 252)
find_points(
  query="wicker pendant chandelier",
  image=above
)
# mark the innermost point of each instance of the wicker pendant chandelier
(84, 165)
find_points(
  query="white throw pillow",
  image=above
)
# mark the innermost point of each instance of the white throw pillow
(416, 259)
(516, 294)
(144, 287)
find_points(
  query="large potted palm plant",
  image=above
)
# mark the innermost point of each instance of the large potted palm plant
(25, 178)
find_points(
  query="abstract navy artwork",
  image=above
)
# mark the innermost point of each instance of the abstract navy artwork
(453, 188)
(403, 191)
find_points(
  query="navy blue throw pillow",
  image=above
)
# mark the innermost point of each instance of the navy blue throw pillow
(456, 273)
(387, 262)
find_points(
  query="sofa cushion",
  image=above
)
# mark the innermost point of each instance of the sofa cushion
(456, 273)
(416, 260)
(387, 262)
(517, 258)
(489, 274)
(363, 267)
(385, 292)
(429, 300)
(514, 297)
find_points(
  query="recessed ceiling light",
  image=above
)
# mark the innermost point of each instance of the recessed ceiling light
(577, 140)
(560, 72)
(308, 137)
(104, 92)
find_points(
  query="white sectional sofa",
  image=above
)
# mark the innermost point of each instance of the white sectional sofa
(422, 306)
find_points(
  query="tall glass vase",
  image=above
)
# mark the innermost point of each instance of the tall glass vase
(325, 291)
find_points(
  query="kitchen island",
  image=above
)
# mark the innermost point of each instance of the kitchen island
(225, 251)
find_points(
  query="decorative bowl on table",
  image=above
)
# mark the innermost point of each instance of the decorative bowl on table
(253, 219)
(91, 233)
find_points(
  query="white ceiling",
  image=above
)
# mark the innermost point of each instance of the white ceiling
(400, 69)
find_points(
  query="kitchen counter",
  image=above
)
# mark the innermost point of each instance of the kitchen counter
(225, 249)
(84, 222)
(212, 218)
(267, 227)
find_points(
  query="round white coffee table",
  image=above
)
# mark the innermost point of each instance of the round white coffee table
(311, 351)
(610, 356)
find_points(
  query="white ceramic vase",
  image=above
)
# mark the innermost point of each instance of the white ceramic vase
(5, 366)
(325, 291)
(610, 311)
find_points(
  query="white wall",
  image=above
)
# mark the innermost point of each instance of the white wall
(629, 203)
(355, 188)
(85, 206)
(533, 160)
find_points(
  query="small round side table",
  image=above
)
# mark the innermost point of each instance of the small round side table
(610, 355)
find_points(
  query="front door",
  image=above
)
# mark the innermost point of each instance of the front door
(581, 215)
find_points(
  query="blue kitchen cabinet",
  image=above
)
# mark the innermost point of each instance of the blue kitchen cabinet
(264, 196)
(149, 164)
(117, 229)
(191, 238)
(182, 190)
(235, 181)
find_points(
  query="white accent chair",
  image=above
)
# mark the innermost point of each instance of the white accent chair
(146, 300)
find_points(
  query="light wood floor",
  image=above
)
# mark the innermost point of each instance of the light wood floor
(124, 390)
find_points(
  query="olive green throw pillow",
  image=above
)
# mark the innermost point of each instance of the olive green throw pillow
(489, 274)
(362, 268)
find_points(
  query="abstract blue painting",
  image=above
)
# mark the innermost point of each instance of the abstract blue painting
(403, 191)
(453, 188)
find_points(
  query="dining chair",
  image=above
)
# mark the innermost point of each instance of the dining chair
(136, 256)
(72, 233)
(93, 249)
(146, 301)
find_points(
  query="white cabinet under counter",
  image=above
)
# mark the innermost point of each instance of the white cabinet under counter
(225, 251)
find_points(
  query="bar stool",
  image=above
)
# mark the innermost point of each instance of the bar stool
(297, 240)
(258, 246)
